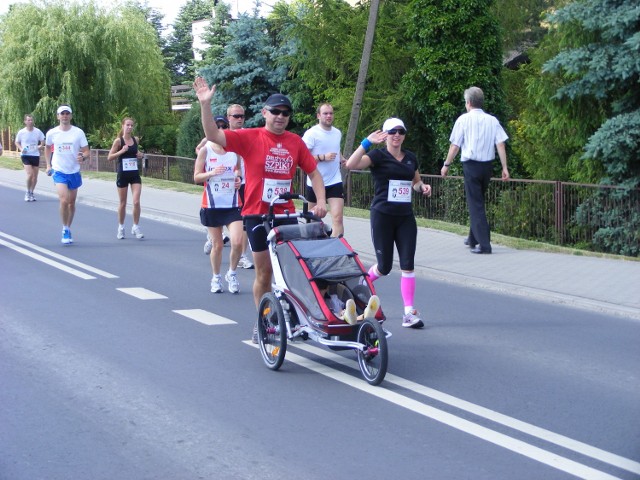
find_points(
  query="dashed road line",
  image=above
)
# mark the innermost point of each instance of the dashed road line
(142, 293)
(205, 317)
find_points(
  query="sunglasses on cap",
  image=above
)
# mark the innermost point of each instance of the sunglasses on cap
(399, 131)
(237, 115)
(277, 111)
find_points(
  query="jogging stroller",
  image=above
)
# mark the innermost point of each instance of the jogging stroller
(304, 257)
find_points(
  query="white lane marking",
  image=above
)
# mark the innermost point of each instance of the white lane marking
(205, 317)
(518, 446)
(51, 254)
(142, 293)
(551, 437)
(48, 261)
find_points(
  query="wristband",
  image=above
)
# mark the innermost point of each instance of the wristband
(418, 186)
(446, 165)
(366, 144)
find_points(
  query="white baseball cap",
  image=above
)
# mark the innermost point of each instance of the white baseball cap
(64, 108)
(391, 123)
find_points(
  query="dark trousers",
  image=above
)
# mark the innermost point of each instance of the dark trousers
(476, 182)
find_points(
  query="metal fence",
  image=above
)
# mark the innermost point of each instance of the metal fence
(593, 217)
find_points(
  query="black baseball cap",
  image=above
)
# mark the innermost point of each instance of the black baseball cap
(278, 99)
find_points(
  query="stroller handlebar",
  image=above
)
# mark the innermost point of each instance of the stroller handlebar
(268, 218)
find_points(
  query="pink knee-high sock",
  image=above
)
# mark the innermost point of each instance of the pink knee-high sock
(408, 288)
(373, 273)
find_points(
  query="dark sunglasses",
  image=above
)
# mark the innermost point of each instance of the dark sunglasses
(65, 113)
(237, 115)
(277, 111)
(221, 126)
(400, 131)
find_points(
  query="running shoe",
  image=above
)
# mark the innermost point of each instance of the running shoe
(216, 284)
(350, 315)
(135, 230)
(254, 336)
(225, 238)
(120, 235)
(372, 307)
(27, 197)
(244, 262)
(232, 280)
(66, 237)
(31, 197)
(412, 320)
(208, 246)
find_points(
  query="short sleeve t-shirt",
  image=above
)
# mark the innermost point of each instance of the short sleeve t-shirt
(386, 171)
(29, 141)
(66, 146)
(270, 163)
(320, 142)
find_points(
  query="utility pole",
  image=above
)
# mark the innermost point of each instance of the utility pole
(362, 78)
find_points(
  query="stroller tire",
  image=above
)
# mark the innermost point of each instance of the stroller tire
(374, 358)
(272, 331)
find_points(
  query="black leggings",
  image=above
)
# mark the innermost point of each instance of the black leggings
(389, 229)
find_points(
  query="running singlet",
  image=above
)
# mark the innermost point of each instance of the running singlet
(128, 162)
(220, 190)
(270, 164)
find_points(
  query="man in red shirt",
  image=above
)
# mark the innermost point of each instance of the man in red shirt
(271, 155)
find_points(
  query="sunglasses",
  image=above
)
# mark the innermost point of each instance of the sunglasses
(400, 131)
(237, 115)
(221, 126)
(65, 113)
(277, 111)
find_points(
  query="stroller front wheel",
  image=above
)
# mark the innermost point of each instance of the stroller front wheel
(375, 356)
(272, 331)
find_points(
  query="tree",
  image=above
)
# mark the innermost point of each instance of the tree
(216, 34)
(600, 62)
(459, 46)
(100, 62)
(179, 48)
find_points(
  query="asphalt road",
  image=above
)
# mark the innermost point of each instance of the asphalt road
(112, 377)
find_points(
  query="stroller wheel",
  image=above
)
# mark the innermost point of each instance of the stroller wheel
(272, 332)
(375, 356)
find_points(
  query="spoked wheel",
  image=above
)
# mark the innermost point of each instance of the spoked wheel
(272, 332)
(375, 356)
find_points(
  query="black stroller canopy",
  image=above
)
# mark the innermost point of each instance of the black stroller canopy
(328, 259)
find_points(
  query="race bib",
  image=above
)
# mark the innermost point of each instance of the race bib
(399, 191)
(31, 149)
(223, 186)
(129, 164)
(272, 188)
(63, 148)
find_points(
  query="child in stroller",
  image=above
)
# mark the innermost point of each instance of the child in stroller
(346, 309)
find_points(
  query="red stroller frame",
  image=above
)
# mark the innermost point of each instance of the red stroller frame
(302, 255)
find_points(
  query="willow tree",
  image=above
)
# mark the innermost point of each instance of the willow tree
(99, 61)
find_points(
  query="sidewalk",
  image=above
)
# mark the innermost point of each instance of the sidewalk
(599, 284)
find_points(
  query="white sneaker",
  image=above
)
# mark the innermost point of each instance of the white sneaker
(27, 197)
(412, 320)
(244, 262)
(232, 280)
(31, 197)
(208, 246)
(120, 234)
(372, 307)
(216, 284)
(350, 315)
(135, 231)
